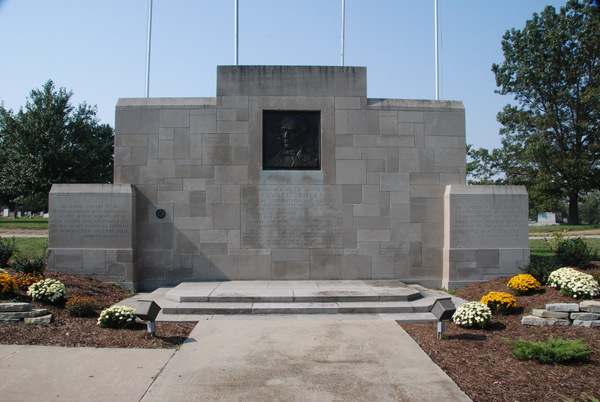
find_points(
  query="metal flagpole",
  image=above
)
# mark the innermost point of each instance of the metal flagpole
(148, 49)
(236, 26)
(437, 57)
(343, 29)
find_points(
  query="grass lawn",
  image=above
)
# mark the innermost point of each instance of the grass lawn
(572, 228)
(31, 247)
(541, 249)
(37, 223)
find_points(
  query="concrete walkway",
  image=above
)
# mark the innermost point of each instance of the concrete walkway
(242, 361)
(49, 373)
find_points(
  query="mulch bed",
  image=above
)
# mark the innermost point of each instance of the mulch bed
(84, 331)
(481, 362)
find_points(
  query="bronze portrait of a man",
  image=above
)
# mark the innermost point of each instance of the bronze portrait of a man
(296, 144)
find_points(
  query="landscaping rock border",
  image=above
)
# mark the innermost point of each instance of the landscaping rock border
(584, 314)
(13, 312)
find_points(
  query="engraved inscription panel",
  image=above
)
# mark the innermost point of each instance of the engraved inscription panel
(90, 222)
(291, 216)
(488, 225)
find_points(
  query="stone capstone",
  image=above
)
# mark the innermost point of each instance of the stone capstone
(569, 307)
(549, 314)
(14, 307)
(579, 323)
(585, 316)
(23, 314)
(45, 319)
(592, 306)
(539, 321)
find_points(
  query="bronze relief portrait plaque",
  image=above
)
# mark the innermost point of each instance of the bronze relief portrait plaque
(291, 140)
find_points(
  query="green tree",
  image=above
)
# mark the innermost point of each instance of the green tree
(484, 167)
(551, 139)
(50, 141)
(589, 208)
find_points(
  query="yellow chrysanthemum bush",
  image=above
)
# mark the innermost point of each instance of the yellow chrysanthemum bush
(499, 302)
(523, 284)
(7, 285)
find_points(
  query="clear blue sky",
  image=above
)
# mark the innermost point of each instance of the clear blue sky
(97, 49)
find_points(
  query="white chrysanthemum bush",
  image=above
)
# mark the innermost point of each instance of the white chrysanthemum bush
(472, 315)
(117, 317)
(573, 283)
(47, 290)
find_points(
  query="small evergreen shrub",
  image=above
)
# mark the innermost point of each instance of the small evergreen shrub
(554, 351)
(573, 283)
(571, 250)
(7, 249)
(80, 306)
(30, 266)
(117, 317)
(472, 315)
(8, 285)
(596, 275)
(47, 290)
(24, 281)
(575, 251)
(540, 269)
(499, 302)
(523, 284)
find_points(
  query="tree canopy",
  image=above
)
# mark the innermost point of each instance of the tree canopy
(50, 141)
(551, 138)
(483, 167)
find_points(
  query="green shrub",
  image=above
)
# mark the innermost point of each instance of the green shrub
(572, 251)
(596, 275)
(575, 252)
(540, 269)
(7, 250)
(554, 351)
(34, 266)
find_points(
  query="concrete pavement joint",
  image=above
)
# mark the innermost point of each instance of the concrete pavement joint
(13, 353)
(160, 371)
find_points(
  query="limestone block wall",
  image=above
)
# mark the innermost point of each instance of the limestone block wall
(92, 231)
(378, 194)
(485, 233)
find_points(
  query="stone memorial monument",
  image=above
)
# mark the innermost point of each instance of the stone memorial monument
(288, 173)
